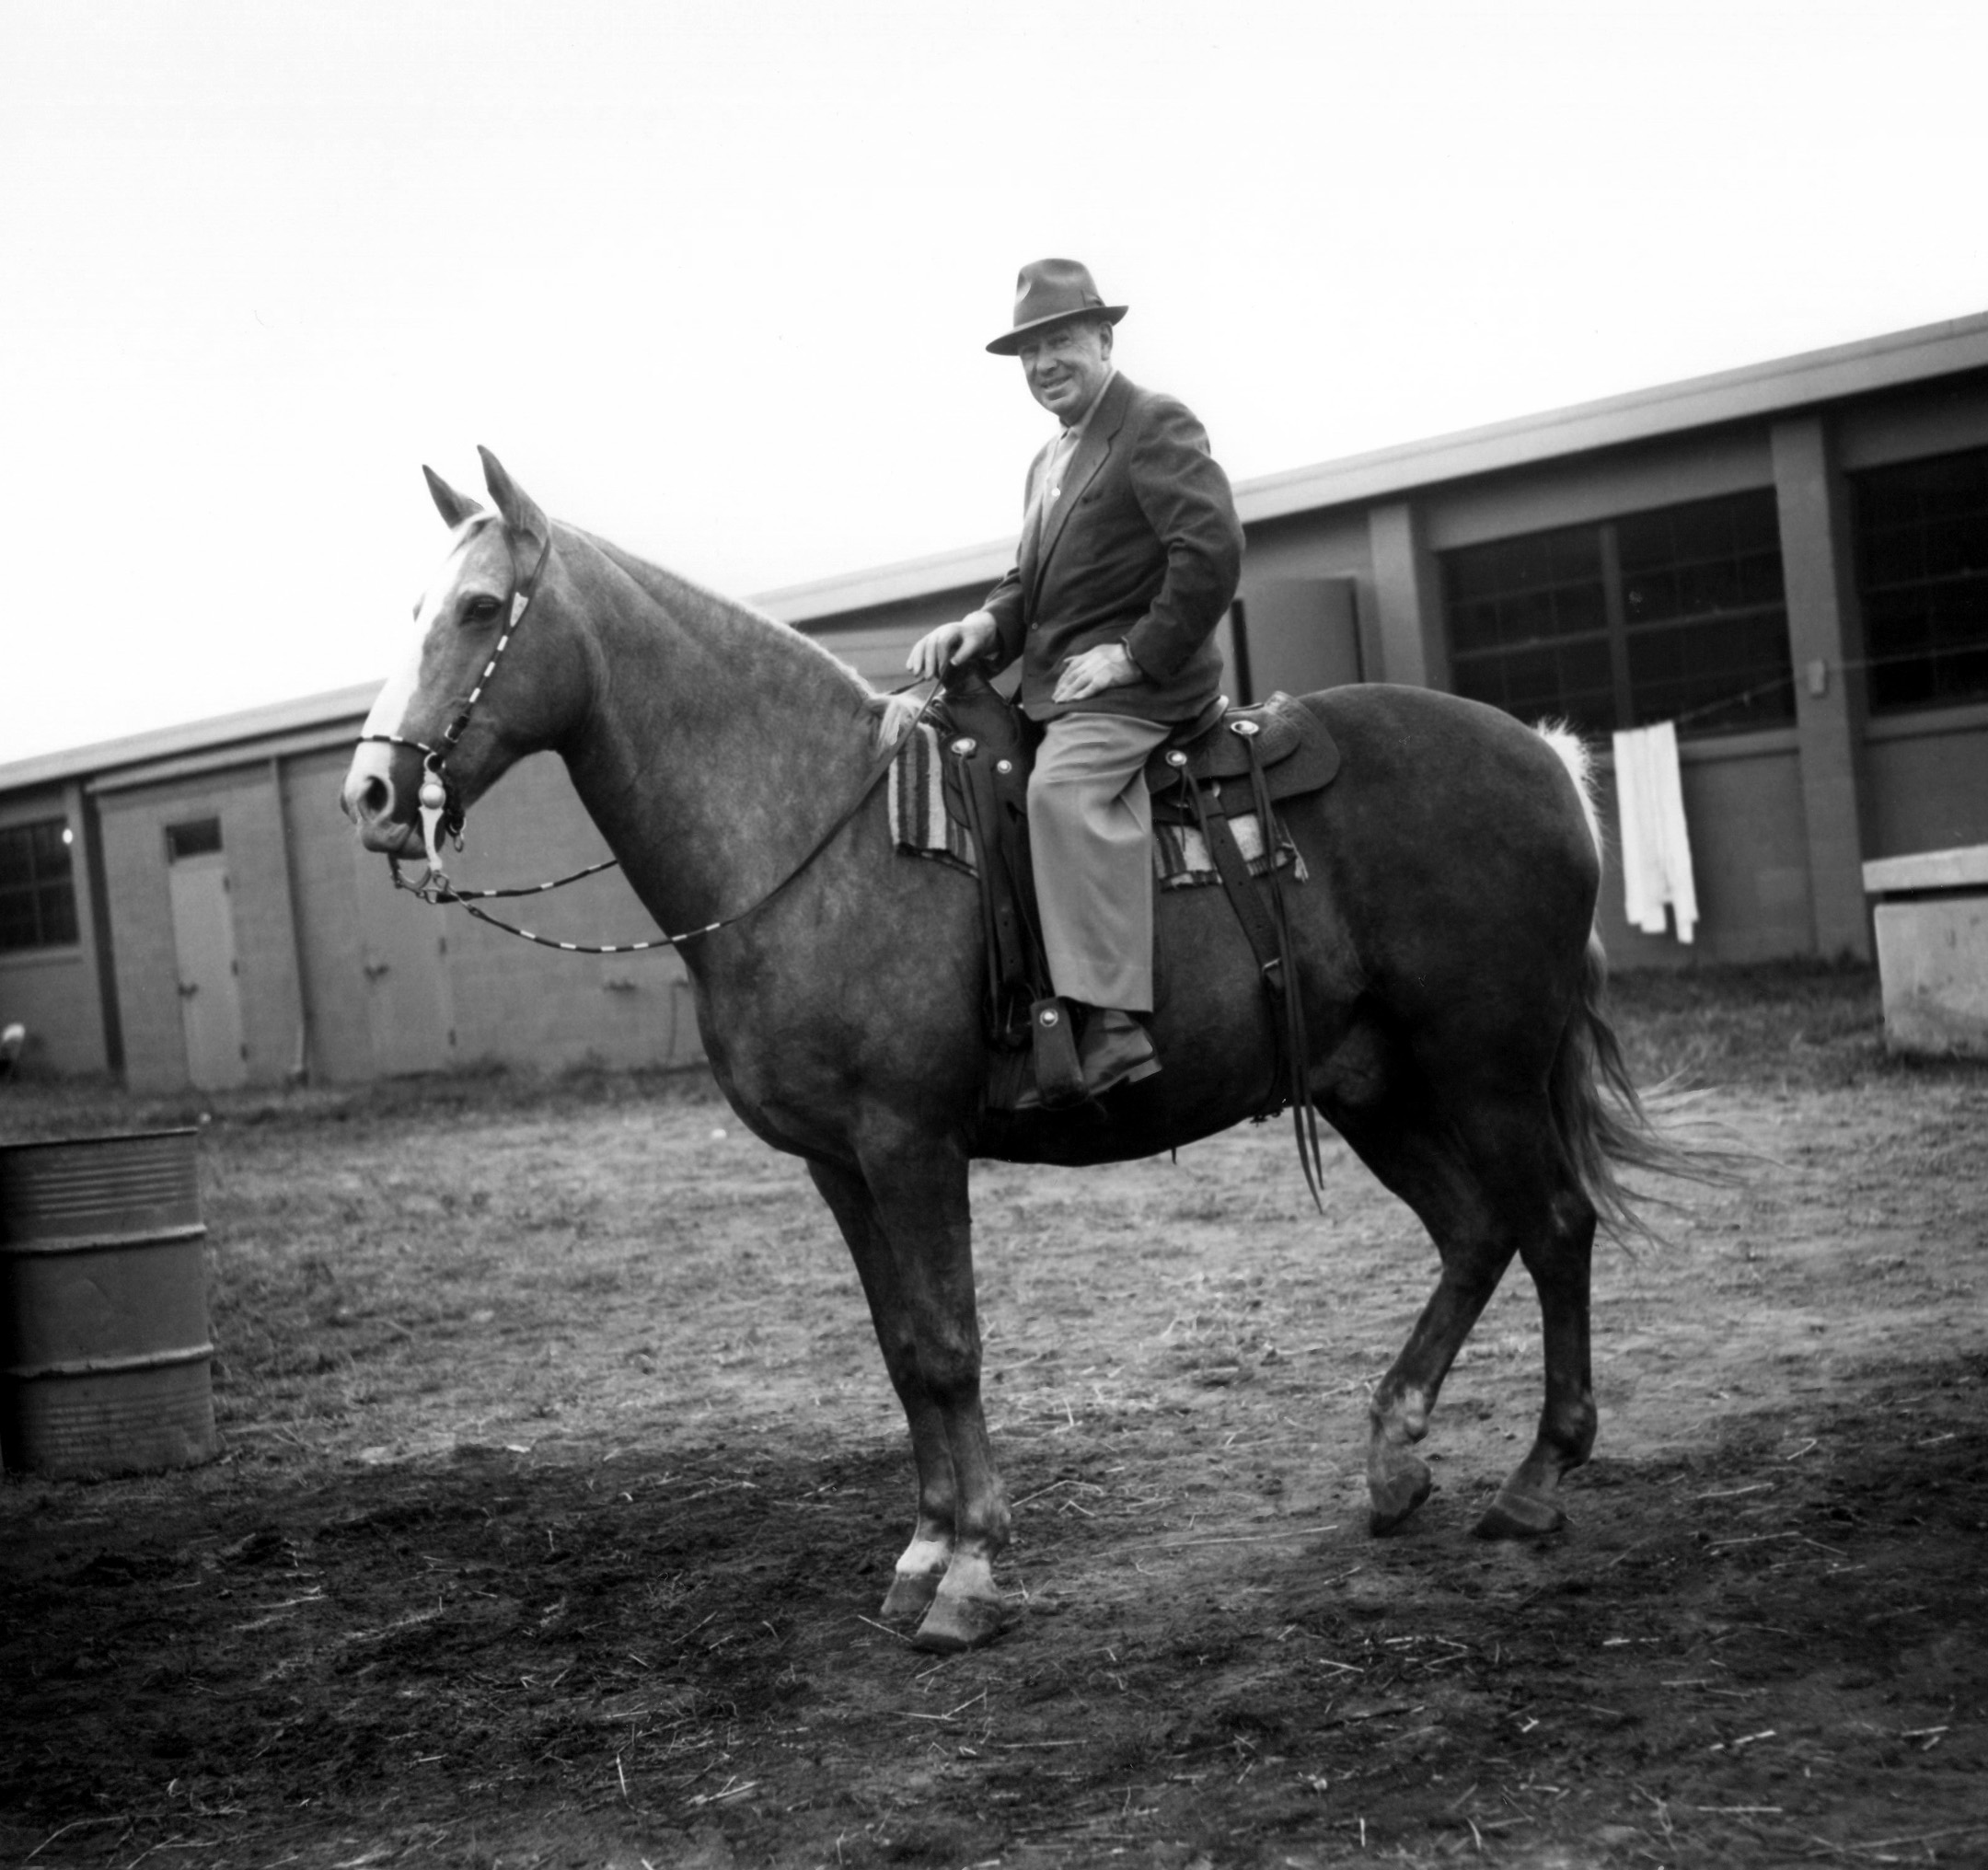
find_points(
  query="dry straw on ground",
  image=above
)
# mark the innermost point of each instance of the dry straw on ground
(562, 1482)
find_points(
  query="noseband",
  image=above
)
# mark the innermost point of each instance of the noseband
(440, 803)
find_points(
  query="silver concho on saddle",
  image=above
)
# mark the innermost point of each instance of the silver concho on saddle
(959, 794)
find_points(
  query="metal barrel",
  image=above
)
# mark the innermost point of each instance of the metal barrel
(105, 1361)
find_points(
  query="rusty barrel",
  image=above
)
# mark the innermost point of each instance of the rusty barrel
(105, 1362)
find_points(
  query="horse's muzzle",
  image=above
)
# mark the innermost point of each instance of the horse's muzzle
(371, 800)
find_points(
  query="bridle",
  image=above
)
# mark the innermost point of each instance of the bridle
(442, 813)
(440, 803)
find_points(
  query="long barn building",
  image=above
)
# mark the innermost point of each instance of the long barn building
(1790, 562)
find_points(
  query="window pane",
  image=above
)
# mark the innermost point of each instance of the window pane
(16, 855)
(1718, 675)
(192, 839)
(16, 919)
(36, 899)
(1579, 609)
(1649, 597)
(50, 850)
(57, 903)
(1705, 615)
(1922, 534)
(1527, 623)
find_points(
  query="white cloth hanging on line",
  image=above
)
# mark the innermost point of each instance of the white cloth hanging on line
(1655, 845)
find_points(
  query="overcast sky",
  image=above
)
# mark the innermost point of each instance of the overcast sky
(713, 276)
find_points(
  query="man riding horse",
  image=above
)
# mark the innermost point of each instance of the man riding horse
(1129, 555)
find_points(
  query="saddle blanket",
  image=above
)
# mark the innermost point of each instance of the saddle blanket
(921, 823)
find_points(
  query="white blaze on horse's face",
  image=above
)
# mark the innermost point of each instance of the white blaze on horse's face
(417, 703)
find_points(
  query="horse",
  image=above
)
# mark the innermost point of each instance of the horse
(1444, 943)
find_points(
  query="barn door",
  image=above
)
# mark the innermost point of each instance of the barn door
(204, 946)
(403, 953)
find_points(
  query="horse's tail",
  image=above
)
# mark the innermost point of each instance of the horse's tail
(1603, 1121)
(1573, 752)
(1605, 1125)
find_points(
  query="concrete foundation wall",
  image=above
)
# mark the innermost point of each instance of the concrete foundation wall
(1933, 961)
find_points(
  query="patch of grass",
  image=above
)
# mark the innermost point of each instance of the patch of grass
(1784, 1023)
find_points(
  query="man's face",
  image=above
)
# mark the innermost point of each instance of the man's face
(1066, 366)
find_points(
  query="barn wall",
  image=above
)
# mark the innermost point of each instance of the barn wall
(1743, 804)
(525, 1005)
(56, 993)
(1928, 781)
(329, 937)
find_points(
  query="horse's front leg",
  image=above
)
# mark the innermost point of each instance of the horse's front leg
(907, 1223)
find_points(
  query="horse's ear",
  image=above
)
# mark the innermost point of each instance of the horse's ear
(520, 511)
(454, 507)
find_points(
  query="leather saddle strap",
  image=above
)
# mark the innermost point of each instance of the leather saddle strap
(1298, 1052)
(1270, 936)
(1007, 956)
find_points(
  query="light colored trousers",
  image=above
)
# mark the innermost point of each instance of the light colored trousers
(1091, 836)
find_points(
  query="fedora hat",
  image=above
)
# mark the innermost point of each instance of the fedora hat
(1047, 292)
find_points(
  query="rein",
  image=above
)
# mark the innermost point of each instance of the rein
(436, 887)
(442, 813)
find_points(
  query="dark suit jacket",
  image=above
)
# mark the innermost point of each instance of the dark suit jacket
(1143, 549)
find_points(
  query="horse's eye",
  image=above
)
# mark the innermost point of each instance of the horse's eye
(481, 609)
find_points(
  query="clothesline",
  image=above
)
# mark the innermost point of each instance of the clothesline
(1788, 681)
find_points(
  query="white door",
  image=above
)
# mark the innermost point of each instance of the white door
(410, 1009)
(210, 977)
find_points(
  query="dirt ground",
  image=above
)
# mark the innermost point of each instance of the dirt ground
(562, 1483)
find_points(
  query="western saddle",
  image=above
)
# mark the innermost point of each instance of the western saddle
(1227, 763)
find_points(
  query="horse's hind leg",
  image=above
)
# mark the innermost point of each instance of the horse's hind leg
(1558, 1255)
(1486, 1185)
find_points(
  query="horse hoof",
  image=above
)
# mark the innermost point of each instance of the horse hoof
(1393, 1501)
(955, 1624)
(910, 1596)
(1519, 1515)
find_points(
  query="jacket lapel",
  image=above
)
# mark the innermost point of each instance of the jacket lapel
(1031, 556)
(1092, 454)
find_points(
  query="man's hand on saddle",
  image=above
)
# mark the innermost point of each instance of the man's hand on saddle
(951, 644)
(1108, 665)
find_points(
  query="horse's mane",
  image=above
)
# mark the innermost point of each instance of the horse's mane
(888, 716)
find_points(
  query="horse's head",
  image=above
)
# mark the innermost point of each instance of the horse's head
(480, 691)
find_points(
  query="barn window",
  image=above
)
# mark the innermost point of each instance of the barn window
(1676, 615)
(36, 890)
(1921, 533)
(197, 838)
